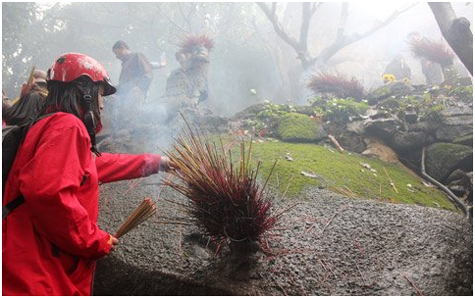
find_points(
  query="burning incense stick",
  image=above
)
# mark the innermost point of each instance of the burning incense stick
(141, 214)
(225, 198)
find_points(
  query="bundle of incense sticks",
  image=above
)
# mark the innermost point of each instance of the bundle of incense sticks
(141, 214)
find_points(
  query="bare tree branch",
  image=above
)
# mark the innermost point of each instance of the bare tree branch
(343, 19)
(160, 11)
(186, 18)
(226, 25)
(277, 26)
(306, 15)
(344, 41)
(301, 46)
(456, 32)
(315, 7)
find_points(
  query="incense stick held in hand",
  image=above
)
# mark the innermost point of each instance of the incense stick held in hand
(141, 214)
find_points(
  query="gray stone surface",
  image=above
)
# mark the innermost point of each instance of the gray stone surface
(325, 245)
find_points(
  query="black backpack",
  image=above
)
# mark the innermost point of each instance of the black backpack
(12, 136)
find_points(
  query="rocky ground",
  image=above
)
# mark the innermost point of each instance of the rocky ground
(326, 245)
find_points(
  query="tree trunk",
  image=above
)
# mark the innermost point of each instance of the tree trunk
(456, 32)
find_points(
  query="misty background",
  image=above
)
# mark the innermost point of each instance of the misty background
(248, 54)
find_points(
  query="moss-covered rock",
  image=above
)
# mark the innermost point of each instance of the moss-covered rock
(299, 128)
(380, 93)
(444, 158)
(353, 175)
(465, 140)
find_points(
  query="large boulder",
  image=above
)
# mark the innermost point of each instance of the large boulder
(444, 158)
(454, 127)
(392, 89)
(326, 245)
(383, 128)
(350, 136)
(410, 140)
(466, 140)
(295, 127)
(458, 122)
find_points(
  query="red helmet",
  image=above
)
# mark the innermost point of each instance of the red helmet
(71, 66)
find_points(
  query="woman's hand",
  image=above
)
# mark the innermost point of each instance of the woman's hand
(166, 164)
(113, 242)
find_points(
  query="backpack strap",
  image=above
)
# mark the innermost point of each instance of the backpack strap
(12, 205)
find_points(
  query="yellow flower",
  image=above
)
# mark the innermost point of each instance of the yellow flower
(406, 80)
(388, 78)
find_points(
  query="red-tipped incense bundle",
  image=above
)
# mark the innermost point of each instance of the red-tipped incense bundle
(141, 214)
(336, 84)
(225, 198)
(433, 51)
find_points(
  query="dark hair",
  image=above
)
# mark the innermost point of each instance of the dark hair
(120, 44)
(25, 110)
(68, 97)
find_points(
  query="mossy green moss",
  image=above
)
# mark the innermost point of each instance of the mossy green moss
(342, 172)
(464, 140)
(443, 158)
(448, 153)
(295, 127)
(380, 92)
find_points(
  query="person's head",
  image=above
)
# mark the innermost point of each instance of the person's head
(121, 49)
(182, 58)
(25, 109)
(76, 84)
(198, 48)
(39, 77)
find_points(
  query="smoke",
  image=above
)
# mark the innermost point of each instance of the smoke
(250, 63)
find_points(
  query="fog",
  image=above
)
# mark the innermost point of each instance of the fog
(248, 54)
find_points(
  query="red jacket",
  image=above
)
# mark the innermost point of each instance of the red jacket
(51, 241)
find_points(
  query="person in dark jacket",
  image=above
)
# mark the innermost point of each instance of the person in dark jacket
(134, 82)
(52, 240)
(136, 69)
(29, 103)
(24, 108)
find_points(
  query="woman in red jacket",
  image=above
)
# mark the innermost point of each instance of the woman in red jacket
(51, 241)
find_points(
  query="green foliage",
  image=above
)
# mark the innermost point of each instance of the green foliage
(295, 127)
(274, 111)
(343, 173)
(449, 153)
(434, 114)
(464, 93)
(381, 92)
(428, 107)
(338, 110)
(269, 116)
